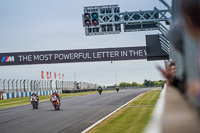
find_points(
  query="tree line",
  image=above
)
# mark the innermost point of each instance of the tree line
(147, 83)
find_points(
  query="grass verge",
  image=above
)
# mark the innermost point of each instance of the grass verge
(25, 100)
(133, 118)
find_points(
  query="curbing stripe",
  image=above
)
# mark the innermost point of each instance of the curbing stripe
(89, 128)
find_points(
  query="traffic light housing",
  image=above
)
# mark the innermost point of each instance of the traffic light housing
(94, 22)
(91, 19)
(87, 19)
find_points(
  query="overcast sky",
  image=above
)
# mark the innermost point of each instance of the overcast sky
(40, 25)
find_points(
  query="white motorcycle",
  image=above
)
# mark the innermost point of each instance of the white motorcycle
(34, 102)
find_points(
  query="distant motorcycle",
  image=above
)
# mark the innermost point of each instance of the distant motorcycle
(117, 89)
(55, 102)
(100, 91)
(34, 102)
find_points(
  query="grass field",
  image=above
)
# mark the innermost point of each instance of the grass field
(25, 100)
(133, 118)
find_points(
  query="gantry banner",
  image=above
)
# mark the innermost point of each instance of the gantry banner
(69, 56)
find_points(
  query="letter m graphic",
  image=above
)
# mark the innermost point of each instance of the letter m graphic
(8, 59)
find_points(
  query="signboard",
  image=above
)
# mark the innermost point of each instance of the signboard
(140, 27)
(154, 50)
(68, 56)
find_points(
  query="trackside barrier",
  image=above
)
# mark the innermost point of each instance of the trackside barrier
(173, 114)
(27, 94)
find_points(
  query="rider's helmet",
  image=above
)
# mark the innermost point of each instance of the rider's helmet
(54, 92)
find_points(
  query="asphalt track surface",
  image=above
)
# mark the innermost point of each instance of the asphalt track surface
(76, 114)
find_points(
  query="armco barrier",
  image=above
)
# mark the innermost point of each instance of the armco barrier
(27, 94)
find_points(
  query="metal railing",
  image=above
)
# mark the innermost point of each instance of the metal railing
(27, 85)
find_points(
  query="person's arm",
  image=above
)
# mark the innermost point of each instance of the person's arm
(167, 74)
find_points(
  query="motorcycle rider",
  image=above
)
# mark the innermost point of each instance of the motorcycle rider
(56, 94)
(99, 90)
(37, 97)
(117, 88)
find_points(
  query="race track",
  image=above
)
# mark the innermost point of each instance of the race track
(76, 114)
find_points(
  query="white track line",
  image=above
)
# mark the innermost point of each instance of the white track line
(86, 130)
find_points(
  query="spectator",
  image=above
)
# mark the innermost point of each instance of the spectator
(171, 80)
(191, 15)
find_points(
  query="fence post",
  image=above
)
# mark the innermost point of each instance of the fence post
(62, 85)
(16, 86)
(56, 85)
(12, 86)
(24, 85)
(8, 86)
(51, 84)
(4, 87)
(45, 83)
(20, 85)
(31, 85)
(42, 84)
(39, 85)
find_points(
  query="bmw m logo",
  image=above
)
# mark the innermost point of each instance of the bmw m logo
(8, 59)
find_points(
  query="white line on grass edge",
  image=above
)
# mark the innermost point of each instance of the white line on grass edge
(155, 124)
(86, 130)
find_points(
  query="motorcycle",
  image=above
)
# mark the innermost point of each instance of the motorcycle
(117, 89)
(55, 102)
(34, 102)
(100, 91)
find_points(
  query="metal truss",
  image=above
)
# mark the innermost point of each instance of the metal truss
(110, 22)
(163, 40)
(135, 17)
